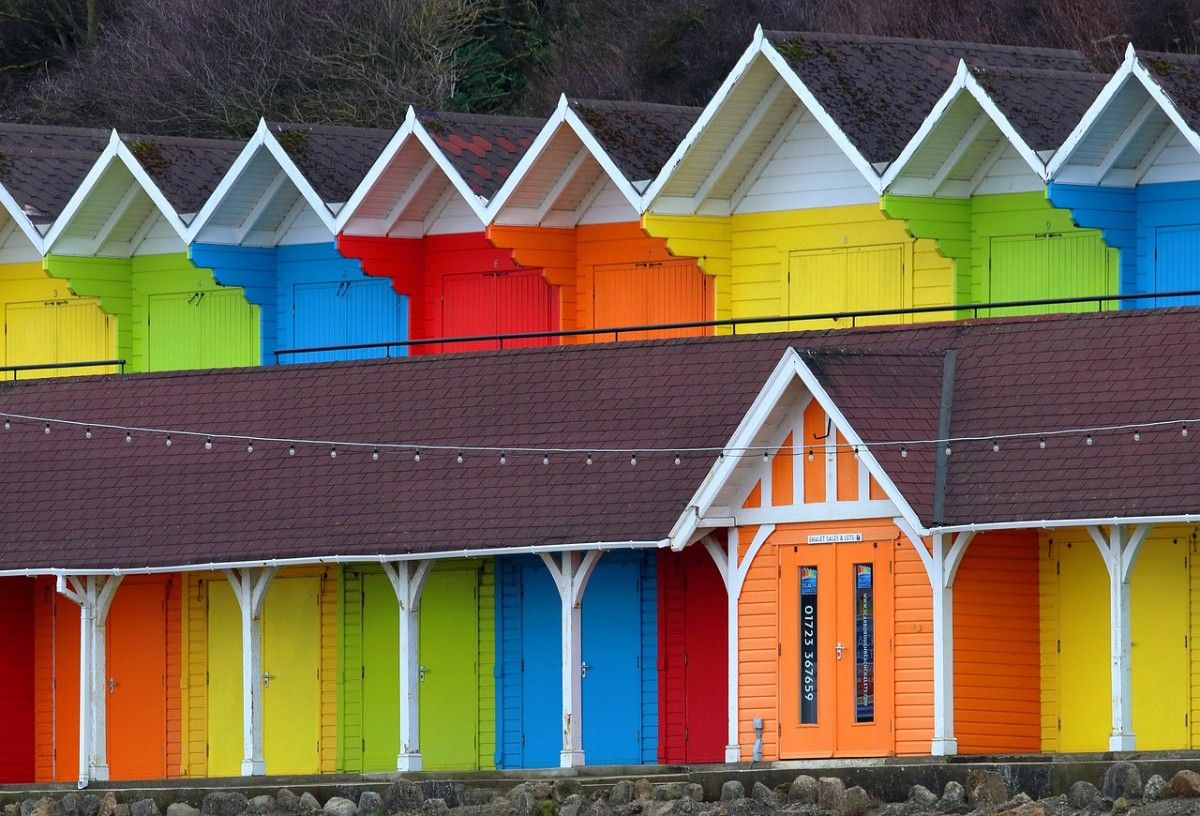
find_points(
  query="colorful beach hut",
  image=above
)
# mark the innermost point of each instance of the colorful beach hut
(1130, 169)
(418, 220)
(973, 180)
(267, 232)
(776, 188)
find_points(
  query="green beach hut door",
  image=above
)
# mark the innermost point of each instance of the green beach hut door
(211, 329)
(1050, 265)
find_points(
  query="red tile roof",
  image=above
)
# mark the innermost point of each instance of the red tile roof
(483, 148)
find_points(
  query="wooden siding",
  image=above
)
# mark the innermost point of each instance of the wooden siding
(997, 667)
(708, 239)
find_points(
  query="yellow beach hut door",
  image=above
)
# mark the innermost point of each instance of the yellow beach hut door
(845, 279)
(291, 678)
(1159, 618)
(836, 695)
(57, 331)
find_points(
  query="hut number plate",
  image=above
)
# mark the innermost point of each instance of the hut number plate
(834, 538)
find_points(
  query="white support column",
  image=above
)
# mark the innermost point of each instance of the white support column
(250, 589)
(93, 594)
(571, 573)
(1119, 549)
(733, 573)
(942, 568)
(408, 579)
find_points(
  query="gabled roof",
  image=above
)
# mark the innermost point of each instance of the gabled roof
(435, 161)
(186, 170)
(869, 95)
(333, 159)
(585, 148)
(42, 166)
(102, 503)
(985, 113)
(115, 209)
(1150, 102)
(880, 89)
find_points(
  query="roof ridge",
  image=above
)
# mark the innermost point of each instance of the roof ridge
(494, 118)
(55, 129)
(348, 130)
(572, 100)
(197, 141)
(875, 38)
(1037, 72)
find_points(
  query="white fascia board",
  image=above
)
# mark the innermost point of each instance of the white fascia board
(1058, 524)
(476, 202)
(23, 221)
(789, 369)
(927, 127)
(539, 143)
(116, 151)
(262, 139)
(1001, 121)
(868, 171)
(706, 116)
(1168, 106)
(382, 557)
(1095, 111)
(635, 199)
(378, 169)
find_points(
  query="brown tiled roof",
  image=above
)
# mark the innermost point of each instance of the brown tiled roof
(880, 89)
(1179, 76)
(483, 148)
(638, 136)
(333, 159)
(105, 503)
(1044, 106)
(42, 166)
(186, 170)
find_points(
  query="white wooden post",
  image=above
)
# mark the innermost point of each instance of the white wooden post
(93, 594)
(250, 588)
(571, 574)
(408, 579)
(1120, 549)
(733, 574)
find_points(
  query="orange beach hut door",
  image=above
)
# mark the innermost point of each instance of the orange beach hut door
(836, 695)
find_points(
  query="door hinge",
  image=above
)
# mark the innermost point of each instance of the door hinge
(779, 572)
(522, 740)
(686, 737)
(1060, 723)
(362, 673)
(685, 658)
(779, 729)
(206, 750)
(780, 647)
(1058, 647)
(1058, 568)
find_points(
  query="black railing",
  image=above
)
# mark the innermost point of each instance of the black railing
(15, 370)
(960, 310)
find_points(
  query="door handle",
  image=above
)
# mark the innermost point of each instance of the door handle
(112, 685)
(267, 678)
(421, 673)
(839, 648)
(583, 667)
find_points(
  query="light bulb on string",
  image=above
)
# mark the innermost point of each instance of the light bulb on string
(947, 449)
(417, 455)
(1042, 442)
(677, 459)
(128, 437)
(1184, 430)
(208, 444)
(7, 424)
(47, 430)
(167, 441)
(459, 458)
(903, 452)
(503, 458)
(589, 459)
(87, 434)
(545, 459)
(249, 447)
(995, 446)
(1088, 439)
(375, 455)
(766, 456)
(633, 459)
(333, 453)
(1137, 435)
(810, 454)
(291, 450)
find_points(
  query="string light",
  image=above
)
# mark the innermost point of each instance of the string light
(417, 455)
(947, 450)
(545, 459)
(1089, 439)
(291, 450)
(1183, 431)
(7, 424)
(1137, 435)
(249, 447)
(995, 446)
(459, 458)
(633, 459)
(128, 438)
(375, 455)
(503, 458)
(208, 444)
(903, 452)
(87, 434)
(678, 459)
(47, 430)
(1042, 443)
(589, 459)
(168, 442)
(810, 454)
(333, 453)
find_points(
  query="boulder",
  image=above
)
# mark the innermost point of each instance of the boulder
(1083, 795)
(571, 804)
(732, 791)
(370, 803)
(108, 805)
(1185, 784)
(668, 792)
(308, 803)
(122, 809)
(831, 791)
(71, 804)
(954, 797)
(144, 807)
(403, 796)
(986, 788)
(12, 809)
(449, 792)
(1155, 788)
(855, 802)
(922, 796)
(803, 790)
(1028, 809)
(224, 803)
(643, 789)
(91, 804)
(287, 800)
(182, 809)
(340, 806)
(1122, 805)
(41, 807)
(621, 793)
(437, 806)
(1168, 807)
(761, 793)
(1122, 779)
(263, 803)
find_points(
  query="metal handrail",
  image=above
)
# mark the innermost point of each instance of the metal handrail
(734, 323)
(17, 369)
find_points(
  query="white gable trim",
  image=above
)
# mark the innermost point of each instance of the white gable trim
(22, 221)
(1131, 68)
(722, 474)
(964, 82)
(263, 139)
(402, 134)
(564, 115)
(116, 151)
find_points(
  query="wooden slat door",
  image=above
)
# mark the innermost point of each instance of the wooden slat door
(291, 624)
(136, 639)
(1176, 263)
(449, 681)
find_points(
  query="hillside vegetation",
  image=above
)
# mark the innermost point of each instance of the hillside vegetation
(213, 67)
